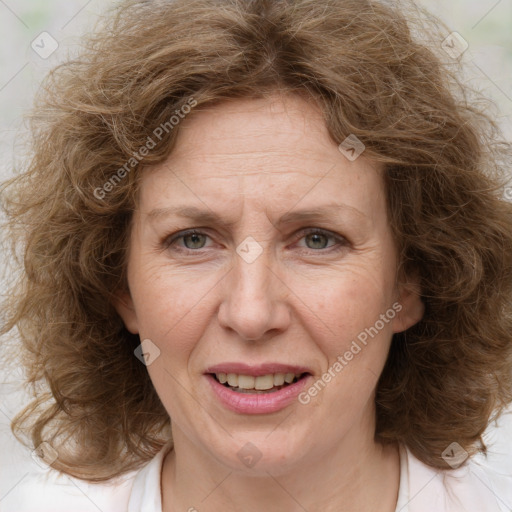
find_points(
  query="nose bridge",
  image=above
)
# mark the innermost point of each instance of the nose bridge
(252, 303)
(253, 278)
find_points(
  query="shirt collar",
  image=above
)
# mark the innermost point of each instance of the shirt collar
(146, 495)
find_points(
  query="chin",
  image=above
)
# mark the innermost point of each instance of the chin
(258, 454)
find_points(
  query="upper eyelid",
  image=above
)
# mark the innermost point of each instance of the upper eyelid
(320, 230)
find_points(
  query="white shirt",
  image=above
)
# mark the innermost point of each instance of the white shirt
(475, 487)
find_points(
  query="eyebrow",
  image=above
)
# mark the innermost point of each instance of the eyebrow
(189, 212)
(209, 217)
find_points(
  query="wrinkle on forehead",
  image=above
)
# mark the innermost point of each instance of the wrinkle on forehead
(201, 128)
(266, 156)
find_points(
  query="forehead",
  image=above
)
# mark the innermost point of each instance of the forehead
(273, 152)
(248, 126)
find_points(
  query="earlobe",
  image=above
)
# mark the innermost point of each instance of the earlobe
(126, 310)
(413, 307)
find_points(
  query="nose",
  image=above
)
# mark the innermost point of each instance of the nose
(254, 303)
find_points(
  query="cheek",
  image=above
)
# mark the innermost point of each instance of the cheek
(173, 307)
(351, 301)
(355, 347)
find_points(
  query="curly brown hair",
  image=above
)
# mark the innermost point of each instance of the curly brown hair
(369, 66)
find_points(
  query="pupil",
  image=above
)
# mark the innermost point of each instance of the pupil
(196, 239)
(317, 238)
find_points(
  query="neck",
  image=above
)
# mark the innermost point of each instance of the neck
(362, 476)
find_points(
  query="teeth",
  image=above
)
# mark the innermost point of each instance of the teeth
(278, 379)
(246, 382)
(289, 377)
(262, 383)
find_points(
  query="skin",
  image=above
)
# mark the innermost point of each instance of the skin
(302, 301)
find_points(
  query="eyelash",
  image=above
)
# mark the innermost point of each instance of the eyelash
(341, 241)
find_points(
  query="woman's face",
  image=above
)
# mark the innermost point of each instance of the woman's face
(292, 270)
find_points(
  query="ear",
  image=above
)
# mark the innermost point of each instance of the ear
(413, 307)
(124, 306)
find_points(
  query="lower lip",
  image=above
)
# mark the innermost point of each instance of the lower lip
(257, 403)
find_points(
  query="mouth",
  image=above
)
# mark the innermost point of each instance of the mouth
(258, 388)
(262, 384)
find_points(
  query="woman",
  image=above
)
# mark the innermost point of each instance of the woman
(266, 250)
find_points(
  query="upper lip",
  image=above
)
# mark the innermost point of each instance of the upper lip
(256, 370)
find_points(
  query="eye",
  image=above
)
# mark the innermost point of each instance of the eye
(191, 240)
(318, 240)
